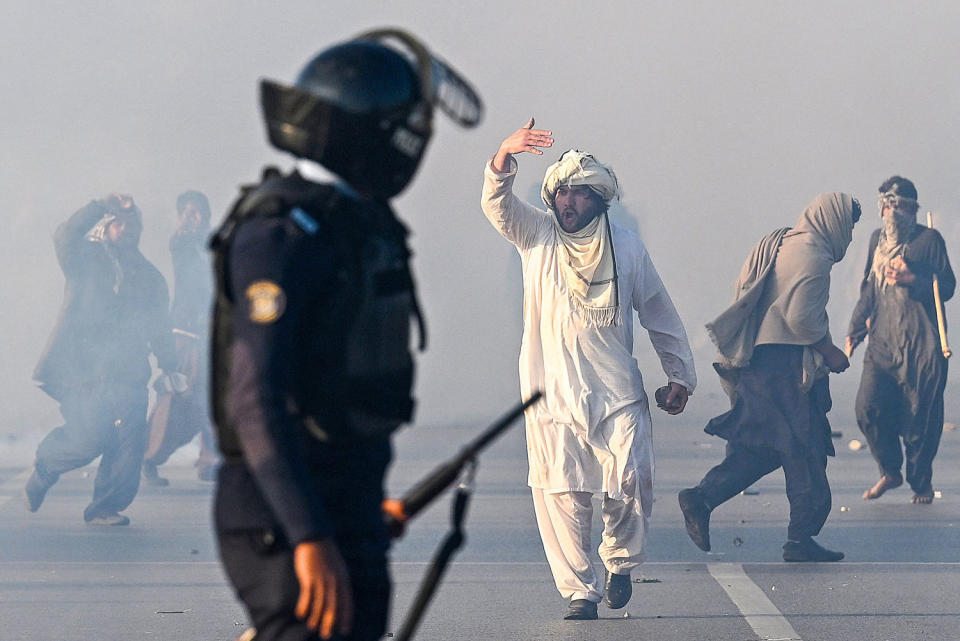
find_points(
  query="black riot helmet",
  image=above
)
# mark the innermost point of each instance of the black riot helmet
(364, 109)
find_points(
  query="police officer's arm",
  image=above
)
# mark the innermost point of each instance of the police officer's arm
(270, 293)
(69, 239)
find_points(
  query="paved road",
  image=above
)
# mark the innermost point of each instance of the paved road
(159, 578)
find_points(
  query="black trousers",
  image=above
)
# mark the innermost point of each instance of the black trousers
(261, 569)
(108, 419)
(884, 416)
(806, 480)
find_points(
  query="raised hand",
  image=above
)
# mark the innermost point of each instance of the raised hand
(897, 272)
(525, 139)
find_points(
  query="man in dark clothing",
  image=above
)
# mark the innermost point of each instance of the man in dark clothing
(775, 353)
(96, 364)
(178, 416)
(311, 370)
(904, 368)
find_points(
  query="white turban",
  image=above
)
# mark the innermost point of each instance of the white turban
(578, 168)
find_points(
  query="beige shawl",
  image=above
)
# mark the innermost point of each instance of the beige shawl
(783, 288)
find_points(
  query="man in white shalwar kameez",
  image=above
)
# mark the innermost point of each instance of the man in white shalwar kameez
(592, 434)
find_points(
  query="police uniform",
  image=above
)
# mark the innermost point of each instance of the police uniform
(311, 373)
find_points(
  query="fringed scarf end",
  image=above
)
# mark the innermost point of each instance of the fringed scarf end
(597, 316)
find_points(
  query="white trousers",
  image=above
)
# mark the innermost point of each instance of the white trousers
(564, 519)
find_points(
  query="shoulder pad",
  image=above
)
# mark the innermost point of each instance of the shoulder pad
(275, 196)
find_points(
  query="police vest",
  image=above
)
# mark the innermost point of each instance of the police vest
(358, 379)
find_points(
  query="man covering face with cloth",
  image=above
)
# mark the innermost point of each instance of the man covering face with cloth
(582, 275)
(904, 368)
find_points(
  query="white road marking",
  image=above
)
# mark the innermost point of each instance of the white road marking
(760, 613)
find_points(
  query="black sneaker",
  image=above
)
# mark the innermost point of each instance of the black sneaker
(581, 610)
(808, 550)
(150, 476)
(617, 590)
(34, 491)
(696, 516)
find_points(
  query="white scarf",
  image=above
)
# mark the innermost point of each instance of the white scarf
(589, 270)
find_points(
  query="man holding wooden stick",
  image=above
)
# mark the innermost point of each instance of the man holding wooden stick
(906, 280)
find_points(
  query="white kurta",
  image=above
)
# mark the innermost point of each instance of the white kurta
(587, 373)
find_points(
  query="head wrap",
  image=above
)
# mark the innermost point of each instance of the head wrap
(578, 168)
(585, 258)
(829, 221)
(897, 228)
(198, 199)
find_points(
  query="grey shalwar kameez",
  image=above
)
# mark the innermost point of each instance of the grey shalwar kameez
(904, 370)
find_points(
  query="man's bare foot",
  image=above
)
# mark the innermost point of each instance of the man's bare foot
(885, 483)
(922, 499)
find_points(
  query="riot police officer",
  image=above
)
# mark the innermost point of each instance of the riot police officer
(311, 368)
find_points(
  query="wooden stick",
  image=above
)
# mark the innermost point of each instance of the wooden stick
(941, 323)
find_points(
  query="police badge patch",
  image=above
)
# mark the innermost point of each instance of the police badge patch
(267, 301)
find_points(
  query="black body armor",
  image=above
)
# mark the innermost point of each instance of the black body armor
(353, 372)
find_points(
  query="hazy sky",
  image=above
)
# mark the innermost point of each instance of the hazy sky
(722, 120)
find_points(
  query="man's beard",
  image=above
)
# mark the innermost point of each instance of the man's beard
(898, 225)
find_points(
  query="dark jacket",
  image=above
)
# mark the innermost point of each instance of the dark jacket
(901, 321)
(192, 283)
(114, 313)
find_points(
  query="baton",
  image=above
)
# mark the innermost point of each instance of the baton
(941, 323)
(399, 511)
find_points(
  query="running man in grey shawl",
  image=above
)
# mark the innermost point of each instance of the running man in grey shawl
(904, 369)
(775, 352)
